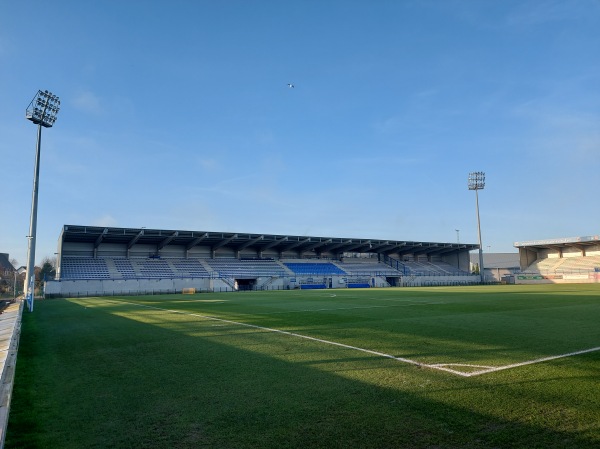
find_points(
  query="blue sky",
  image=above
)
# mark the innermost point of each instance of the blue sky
(177, 115)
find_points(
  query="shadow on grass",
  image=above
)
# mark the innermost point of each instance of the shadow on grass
(87, 378)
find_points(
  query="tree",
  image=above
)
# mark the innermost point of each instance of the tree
(48, 269)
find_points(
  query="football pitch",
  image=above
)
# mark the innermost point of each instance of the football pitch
(454, 367)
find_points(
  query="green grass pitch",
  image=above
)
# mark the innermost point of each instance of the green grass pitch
(456, 367)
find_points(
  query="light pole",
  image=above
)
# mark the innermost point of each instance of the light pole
(477, 182)
(41, 111)
(457, 235)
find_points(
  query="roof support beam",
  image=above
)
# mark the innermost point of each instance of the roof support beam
(446, 249)
(134, 240)
(250, 242)
(339, 245)
(406, 249)
(274, 243)
(294, 245)
(196, 241)
(224, 242)
(100, 238)
(316, 245)
(358, 245)
(166, 241)
(375, 248)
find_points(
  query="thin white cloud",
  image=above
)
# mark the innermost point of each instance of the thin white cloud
(383, 160)
(106, 220)
(87, 102)
(3, 47)
(209, 164)
(390, 124)
(536, 12)
(561, 130)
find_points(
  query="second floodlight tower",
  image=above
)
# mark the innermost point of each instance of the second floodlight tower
(477, 182)
(41, 111)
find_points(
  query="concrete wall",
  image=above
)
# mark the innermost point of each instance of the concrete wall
(426, 281)
(584, 278)
(107, 287)
(10, 325)
(526, 257)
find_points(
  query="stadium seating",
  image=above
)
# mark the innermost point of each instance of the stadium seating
(318, 268)
(189, 267)
(124, 268)
(422, 269)
(155, 268)
(246, 268)
(84, 268)
(445, 268)
(575, 264)
(563, 265)
(368, 268)
(167, 268)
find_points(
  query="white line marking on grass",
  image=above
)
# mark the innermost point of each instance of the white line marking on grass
(444, 367)
(344, 308)
(279, 331)
(321, 310)
(528, 362)
(436, 366)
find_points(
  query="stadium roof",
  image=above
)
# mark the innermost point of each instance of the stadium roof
(258, 242)
(577, 242)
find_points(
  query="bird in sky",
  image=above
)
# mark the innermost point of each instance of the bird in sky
(290, 85)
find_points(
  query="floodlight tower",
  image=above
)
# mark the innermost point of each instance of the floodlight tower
(41, 111)
(477, 182)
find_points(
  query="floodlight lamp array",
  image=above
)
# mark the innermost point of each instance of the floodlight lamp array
(43, 109)
(476, 180)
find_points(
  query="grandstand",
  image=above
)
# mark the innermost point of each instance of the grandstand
(103, 260)
(564, 260)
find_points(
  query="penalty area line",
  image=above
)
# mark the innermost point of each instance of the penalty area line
(529, 362)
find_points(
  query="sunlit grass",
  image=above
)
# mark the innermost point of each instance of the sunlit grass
(210, 370)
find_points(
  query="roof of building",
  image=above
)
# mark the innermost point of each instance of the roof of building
(497, 260)
(560, 242)
(258, 242)
(5, 264)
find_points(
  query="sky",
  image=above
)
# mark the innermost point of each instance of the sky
(177, 115)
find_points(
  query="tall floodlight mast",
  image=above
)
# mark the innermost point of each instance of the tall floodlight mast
(41, 111)
(477, 182)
